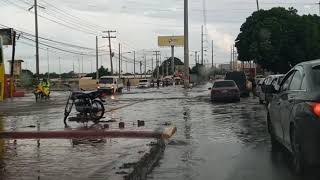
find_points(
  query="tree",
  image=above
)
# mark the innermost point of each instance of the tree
(279, 38)
(102, 72)
(164, 65)
(26, 78)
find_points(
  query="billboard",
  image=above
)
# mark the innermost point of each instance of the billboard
(164, 41)
(6, 35)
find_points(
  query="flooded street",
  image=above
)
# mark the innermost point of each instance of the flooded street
(222, 141)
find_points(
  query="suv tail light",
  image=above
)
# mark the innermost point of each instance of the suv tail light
(315, 108)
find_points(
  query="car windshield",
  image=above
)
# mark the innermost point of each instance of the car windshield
(221, 84)
(159, 89)
(106, 81)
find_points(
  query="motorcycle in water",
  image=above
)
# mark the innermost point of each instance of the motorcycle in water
(89, 106)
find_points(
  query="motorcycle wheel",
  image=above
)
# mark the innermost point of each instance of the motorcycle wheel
(97, 111)
(67, 110)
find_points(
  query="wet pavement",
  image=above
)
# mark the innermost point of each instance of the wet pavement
(222, 141)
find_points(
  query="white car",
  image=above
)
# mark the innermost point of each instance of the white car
(110, 84)
(144, 83)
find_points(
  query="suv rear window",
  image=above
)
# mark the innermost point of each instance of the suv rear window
(221, 84)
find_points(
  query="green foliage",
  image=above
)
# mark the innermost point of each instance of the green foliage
(164, 64)
(102, 72)
(26, 78)
(279, 38)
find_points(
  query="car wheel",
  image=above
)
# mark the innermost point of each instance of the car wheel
(275, 145)
(298, 161)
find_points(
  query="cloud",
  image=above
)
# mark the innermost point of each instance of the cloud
(222, 40)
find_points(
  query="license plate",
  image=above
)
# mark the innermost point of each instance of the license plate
(225, 91)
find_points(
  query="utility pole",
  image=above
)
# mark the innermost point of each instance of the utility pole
(212, 54)
(97, 60)
(35, 6)
(167, 68)
(172, 60)
(12, 63)
(119, 60)
(202, 44)
(82, 64)
(161, 64)
(152, 63)
(231, 60)
(79, 71)
(91, 66)
(141, 68)
(258, 5)
(195, 56)
(37, 36)
(48, 63)
(157, 63)
(134, 64)
(60, 67)
(73, 66)
(110, 50)
(186, 45)
(145, 66)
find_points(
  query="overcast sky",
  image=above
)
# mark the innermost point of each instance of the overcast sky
(137, 22)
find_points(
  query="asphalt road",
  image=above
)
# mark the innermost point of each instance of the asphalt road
(222, 141)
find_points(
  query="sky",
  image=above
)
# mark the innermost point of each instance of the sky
(138, 24)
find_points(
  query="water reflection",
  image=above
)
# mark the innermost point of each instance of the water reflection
(2, 147)
(187, 155)
(91, 141)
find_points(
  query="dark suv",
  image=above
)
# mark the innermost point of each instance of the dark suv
(294, 115)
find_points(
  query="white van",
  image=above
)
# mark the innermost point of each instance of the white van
(144, 83)
(110, 84)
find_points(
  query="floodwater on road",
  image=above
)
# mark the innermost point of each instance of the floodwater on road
(222, 141)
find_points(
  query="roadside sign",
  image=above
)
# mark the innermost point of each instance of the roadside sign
(6, 35)
(165, 41)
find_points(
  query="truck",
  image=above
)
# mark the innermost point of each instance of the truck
(110, 84)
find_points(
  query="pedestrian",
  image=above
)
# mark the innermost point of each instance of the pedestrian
(173, 82)
(253, 87)
(128, 85)
(158, 83)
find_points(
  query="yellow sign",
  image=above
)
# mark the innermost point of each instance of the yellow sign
(170, 41)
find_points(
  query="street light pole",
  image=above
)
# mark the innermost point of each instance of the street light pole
(186, 45)
(134, 63)
(48, 63)
(119, 60)
(37, 36)
(97, 60)
(212, 55)
(258, 5)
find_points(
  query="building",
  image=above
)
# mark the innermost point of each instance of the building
(17, 67)
(225, 67)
